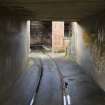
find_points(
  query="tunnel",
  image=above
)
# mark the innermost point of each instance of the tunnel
(52, 52)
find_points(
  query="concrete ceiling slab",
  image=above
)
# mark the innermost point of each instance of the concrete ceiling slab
(57, 9)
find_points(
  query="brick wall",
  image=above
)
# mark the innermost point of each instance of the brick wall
(57, 35)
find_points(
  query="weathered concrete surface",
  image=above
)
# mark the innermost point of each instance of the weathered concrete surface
(14, 49)
(87, 46)
(82, 88)
(56, 9)
(24, 88)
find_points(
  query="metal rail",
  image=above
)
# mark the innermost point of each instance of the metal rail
(65, 87)
(33, 100)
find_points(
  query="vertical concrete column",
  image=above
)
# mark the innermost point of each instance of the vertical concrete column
(28, 35)
(14, 49)
(57, 35)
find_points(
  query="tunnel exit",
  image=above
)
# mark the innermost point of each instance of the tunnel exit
(52, 35)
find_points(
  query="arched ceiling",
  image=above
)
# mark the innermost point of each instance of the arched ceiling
(56, 9)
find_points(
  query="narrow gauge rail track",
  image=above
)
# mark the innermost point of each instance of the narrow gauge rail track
(38, 84)
(64, 84)
(64, 87)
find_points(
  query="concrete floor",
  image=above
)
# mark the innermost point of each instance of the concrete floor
(24, 87)
(82, 89)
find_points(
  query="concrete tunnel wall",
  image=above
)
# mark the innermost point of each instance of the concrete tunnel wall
(88, 47)
(14, 49)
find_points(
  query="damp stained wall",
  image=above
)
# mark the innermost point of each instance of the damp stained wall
(88, 47)
(14, 50)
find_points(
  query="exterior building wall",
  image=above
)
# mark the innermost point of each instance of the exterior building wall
(40, 34)
(58, 36)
